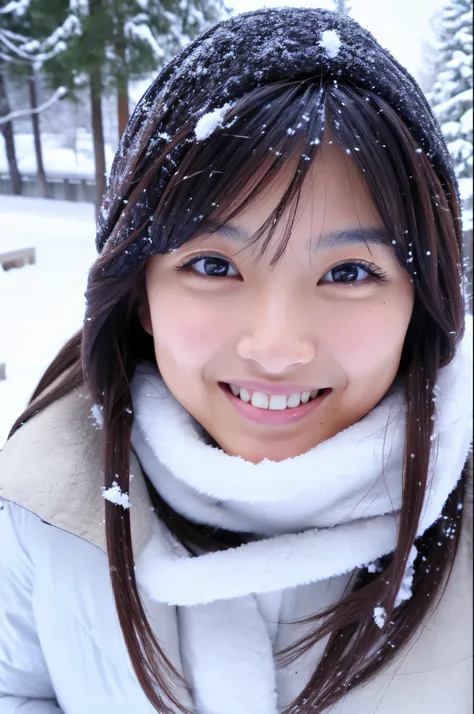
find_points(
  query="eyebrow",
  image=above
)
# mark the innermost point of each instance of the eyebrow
(328, 241)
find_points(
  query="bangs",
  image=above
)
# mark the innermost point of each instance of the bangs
(276, 127)
(283, 127)
(231, 170)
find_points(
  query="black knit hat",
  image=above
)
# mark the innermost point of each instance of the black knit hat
(251, 50)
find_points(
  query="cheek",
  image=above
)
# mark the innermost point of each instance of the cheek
(370, 346)
(186, 332)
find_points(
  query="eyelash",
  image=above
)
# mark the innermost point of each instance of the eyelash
(374, 272)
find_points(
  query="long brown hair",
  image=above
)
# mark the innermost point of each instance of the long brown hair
(421, 211)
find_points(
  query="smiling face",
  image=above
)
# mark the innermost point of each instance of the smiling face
(318, 319)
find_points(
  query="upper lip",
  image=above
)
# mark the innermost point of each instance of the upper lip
(272, 388)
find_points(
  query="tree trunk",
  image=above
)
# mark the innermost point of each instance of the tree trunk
(123, 110)
(7, 131)
(122, 79)
(35, 120)
(98, 136)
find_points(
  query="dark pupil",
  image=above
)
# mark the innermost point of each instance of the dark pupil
(216, 266)
(345, 272)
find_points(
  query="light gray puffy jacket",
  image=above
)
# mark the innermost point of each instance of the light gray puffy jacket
(61, 648)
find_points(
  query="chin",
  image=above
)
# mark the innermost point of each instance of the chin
(273, 452)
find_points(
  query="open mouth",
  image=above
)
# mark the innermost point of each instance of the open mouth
(274, 402)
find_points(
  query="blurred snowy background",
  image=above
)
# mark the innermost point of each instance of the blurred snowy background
(71, 71)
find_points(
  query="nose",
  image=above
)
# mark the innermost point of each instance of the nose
(277, 341)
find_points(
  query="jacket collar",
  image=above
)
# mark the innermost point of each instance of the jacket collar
(52, 466)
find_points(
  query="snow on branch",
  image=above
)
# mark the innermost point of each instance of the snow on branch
(58, 94)
(15, 7)
(80, 6)
(71, 26)
(14, 36)
(140, 31)
(29, 51)
(20, 49)
(17, 52)
(446, 106)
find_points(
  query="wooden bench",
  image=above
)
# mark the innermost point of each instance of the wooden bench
(17, 258)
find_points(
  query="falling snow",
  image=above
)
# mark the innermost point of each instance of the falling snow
(115, 495)
(330, 41)
(380, 616)
(208, 123)
(405, 591)
(97, 415)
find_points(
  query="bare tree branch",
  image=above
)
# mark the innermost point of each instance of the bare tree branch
(58, 94)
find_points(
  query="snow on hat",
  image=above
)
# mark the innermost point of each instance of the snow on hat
(242, 53)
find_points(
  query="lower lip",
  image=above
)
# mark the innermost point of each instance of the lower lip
(269, 417)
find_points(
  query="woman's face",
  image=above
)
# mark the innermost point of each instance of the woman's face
(318, 319)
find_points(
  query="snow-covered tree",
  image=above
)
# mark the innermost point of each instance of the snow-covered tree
(451, 96)
(103, 45)
(118, 41)
(145, 34)
(6, 128)
(451, 99)
(32, 31)
(343, 6)
(29, 37)
(428, 69)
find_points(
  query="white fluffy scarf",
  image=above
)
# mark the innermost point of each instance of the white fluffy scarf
(319, 515)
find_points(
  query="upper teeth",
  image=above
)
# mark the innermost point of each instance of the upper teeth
(273, 401)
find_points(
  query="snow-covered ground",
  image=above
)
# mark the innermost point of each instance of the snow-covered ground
(41, 305)
(59, 161)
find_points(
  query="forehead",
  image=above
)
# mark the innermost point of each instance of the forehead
(334, 205)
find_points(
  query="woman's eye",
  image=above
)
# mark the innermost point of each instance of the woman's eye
(351, 272)
(212, 266)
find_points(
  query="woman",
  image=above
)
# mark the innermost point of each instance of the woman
(270, 394)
